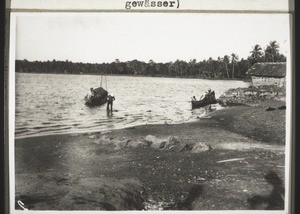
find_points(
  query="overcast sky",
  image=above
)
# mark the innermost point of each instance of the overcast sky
(161, 37)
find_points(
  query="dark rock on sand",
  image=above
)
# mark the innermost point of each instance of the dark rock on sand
(282, 107)
(201, 147)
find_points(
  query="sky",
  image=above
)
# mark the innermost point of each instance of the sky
(162, 37)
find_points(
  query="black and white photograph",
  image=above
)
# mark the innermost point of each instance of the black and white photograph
(150, 111)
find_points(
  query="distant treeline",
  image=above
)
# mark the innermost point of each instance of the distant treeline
(220, 68)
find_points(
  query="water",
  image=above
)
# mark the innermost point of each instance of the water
(53, 103)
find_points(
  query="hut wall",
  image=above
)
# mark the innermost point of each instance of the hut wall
(259, 81)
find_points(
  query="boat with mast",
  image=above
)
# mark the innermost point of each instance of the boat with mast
(98, 96)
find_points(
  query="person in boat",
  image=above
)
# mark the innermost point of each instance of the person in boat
(205, 96)
(110, 100)
(210, 95)
(213, 97)
(193, 98)
(91, 93)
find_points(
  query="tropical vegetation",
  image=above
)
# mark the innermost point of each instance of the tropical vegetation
(226, 67)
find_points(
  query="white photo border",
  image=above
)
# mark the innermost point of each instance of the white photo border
(11, 130)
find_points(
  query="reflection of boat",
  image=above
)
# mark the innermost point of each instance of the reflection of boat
(99, 97)
(207, 100)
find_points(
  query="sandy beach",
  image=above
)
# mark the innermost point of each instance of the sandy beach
(232, 159)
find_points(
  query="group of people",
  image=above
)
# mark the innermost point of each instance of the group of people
(209, 95)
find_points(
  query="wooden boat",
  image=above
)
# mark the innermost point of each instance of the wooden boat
(207, 100)
(202, 103)
(99, 97)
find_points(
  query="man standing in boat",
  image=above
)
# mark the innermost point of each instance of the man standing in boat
(110, 100)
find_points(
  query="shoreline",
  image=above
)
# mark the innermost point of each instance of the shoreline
(229, 79)
(210, 164)
(224, 116)
(103, 131)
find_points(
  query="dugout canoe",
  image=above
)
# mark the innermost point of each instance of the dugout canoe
(202, 103)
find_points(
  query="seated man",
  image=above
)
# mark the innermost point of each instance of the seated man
(91, 93)
(213, 97)
(210, 95)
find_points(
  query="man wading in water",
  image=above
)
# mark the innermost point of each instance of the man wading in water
(110, 100)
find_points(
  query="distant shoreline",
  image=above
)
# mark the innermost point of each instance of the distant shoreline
(156, 76)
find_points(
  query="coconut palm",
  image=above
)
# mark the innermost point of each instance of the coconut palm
(192, 66)
(256, 53)
(151, 67)
(234, 59)
(272, 50)
(226, 62)
(171, 68)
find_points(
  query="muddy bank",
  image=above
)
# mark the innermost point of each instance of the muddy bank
(258, 113)
(196, 166)
(255, 122)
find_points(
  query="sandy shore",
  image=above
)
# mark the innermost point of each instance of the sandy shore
(234, 159)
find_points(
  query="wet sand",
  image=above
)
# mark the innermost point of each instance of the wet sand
(223, 162)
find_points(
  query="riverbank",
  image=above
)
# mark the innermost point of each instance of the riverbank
(232, 159)
(137, 75)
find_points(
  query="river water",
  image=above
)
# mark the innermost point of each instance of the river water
(53, 103)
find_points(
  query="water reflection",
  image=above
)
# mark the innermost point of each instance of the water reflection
(109, 113)
(41, 98)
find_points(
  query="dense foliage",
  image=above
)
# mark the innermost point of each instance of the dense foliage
(221, 68)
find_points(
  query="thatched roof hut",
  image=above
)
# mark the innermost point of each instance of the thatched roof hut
(268, 69)
(268, 74)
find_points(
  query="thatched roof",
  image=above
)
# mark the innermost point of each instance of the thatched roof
(268, 69)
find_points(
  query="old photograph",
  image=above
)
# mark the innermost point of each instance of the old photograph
(150, 111)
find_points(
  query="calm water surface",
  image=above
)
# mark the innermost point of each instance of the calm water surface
(53, 103)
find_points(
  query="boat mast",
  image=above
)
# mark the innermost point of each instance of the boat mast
(105, 81)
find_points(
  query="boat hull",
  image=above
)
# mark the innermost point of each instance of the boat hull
(99, 98)
(201, 103)
(95, 101)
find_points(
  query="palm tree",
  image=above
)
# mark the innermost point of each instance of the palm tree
(171, 67)
(226, 62)
(256, 53)
(273, 49)
(151, 64)
(219, 67)
(192, 66)
(234, 59)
